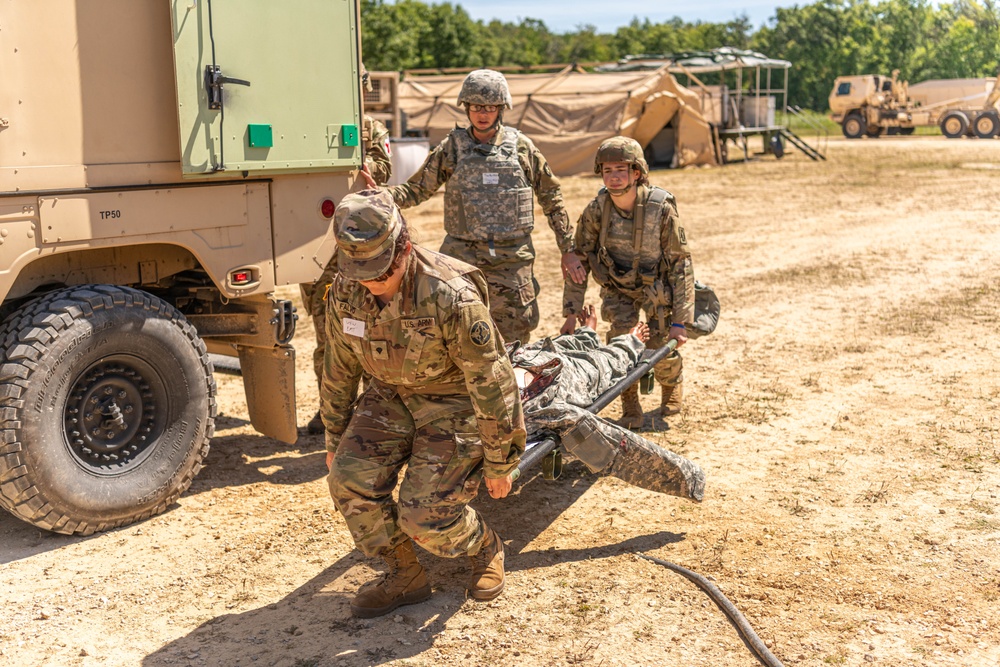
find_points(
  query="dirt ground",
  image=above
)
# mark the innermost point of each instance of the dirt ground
(844, 411)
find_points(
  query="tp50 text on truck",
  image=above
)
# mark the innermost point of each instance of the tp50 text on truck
(164, 166)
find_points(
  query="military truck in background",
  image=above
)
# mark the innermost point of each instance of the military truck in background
(872, 104)
(165, 165)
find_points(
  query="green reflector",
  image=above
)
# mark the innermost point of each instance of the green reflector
(259, 136)
(350, 136)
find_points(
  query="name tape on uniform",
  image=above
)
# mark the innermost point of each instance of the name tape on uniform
(354, 327)
(418, 323)
(491, 179)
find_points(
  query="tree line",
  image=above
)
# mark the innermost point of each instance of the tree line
(822, 40)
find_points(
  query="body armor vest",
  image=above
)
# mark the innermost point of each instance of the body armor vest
(488, 197)
(628, 253)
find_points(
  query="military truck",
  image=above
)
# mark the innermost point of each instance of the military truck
(872, 104)
(165, 166)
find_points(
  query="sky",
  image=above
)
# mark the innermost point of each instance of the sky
(565, 15)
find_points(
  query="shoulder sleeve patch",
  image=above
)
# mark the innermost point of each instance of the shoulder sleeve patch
(480, 333)
(682, 235)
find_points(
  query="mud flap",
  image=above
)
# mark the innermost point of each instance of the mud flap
(269, 383)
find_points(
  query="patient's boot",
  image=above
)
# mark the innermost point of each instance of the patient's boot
(671, 399)
(404, 583)
(631, 408)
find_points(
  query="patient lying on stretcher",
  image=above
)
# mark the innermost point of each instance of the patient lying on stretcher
(561, 376)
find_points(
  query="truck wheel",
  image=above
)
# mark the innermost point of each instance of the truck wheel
(854, 126)
(954, 124)
(986, 125)
(874, 131)
(107, 405)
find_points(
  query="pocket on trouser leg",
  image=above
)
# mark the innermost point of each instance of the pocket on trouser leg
(442, 478)
(588, 443)
(669, 371)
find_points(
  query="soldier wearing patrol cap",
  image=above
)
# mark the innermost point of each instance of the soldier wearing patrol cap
(491, 172)
(378, 160)
(630, 237)
(442, 400)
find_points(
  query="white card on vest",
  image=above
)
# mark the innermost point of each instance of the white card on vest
(354, 327)
(491, 179)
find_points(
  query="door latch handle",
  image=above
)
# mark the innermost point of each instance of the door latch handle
(214, 81)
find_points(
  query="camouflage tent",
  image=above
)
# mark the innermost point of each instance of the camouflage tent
(569, 113)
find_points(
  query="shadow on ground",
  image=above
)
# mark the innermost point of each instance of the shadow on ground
(313, 625)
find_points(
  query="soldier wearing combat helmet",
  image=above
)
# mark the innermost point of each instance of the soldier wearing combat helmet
(491, 172)
(441, 400)
(631, 239)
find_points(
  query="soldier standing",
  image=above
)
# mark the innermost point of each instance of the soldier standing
(631, 239)
(378, 161)
(491, 171)
(442, 400)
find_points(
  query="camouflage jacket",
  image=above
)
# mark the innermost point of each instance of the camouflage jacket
(375, 138)
(434, 345)
(580, 368)
(442, 160)
(667, 259)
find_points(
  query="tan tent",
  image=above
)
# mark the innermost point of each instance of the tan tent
(568, 114)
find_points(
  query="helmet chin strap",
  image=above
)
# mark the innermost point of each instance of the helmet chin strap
(622, 191)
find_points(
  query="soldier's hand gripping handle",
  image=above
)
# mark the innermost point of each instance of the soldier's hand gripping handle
(499, 488)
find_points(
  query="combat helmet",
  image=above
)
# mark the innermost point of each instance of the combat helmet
(485, 86)
(621, 149)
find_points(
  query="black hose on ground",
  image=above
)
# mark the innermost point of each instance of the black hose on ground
(749, 637)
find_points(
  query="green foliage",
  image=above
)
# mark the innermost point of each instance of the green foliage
(823, 40)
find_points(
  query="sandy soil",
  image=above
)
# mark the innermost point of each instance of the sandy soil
(845, 412)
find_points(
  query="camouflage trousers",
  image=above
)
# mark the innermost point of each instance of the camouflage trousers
(313, 301)
(610, 449)
(509, 272)
(444, 467)
(622, 312)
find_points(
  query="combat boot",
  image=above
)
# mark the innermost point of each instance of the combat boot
(671, 400)
(631, 408)
(487, 567)
(404, 583)
(315, 425)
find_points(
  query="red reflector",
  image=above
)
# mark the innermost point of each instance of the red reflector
(327, 208)
(241, 278)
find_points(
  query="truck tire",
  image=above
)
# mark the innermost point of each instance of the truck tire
(954, 124)
(129, 369)
(986, 125)
(874, 131)
(854, 126)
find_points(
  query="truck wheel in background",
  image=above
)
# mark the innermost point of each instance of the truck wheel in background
(107, 405)
(854, 126)
(986, 125)
(954, 124)
(874, 131)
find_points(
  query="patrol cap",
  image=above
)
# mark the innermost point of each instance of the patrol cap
(367, 224)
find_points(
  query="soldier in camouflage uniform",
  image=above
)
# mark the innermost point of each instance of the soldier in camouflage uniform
(441, 400)
(561, 377)
(375, 142)
(491, 171)
(631, 239)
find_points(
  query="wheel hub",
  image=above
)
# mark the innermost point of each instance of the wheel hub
(110, 414)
